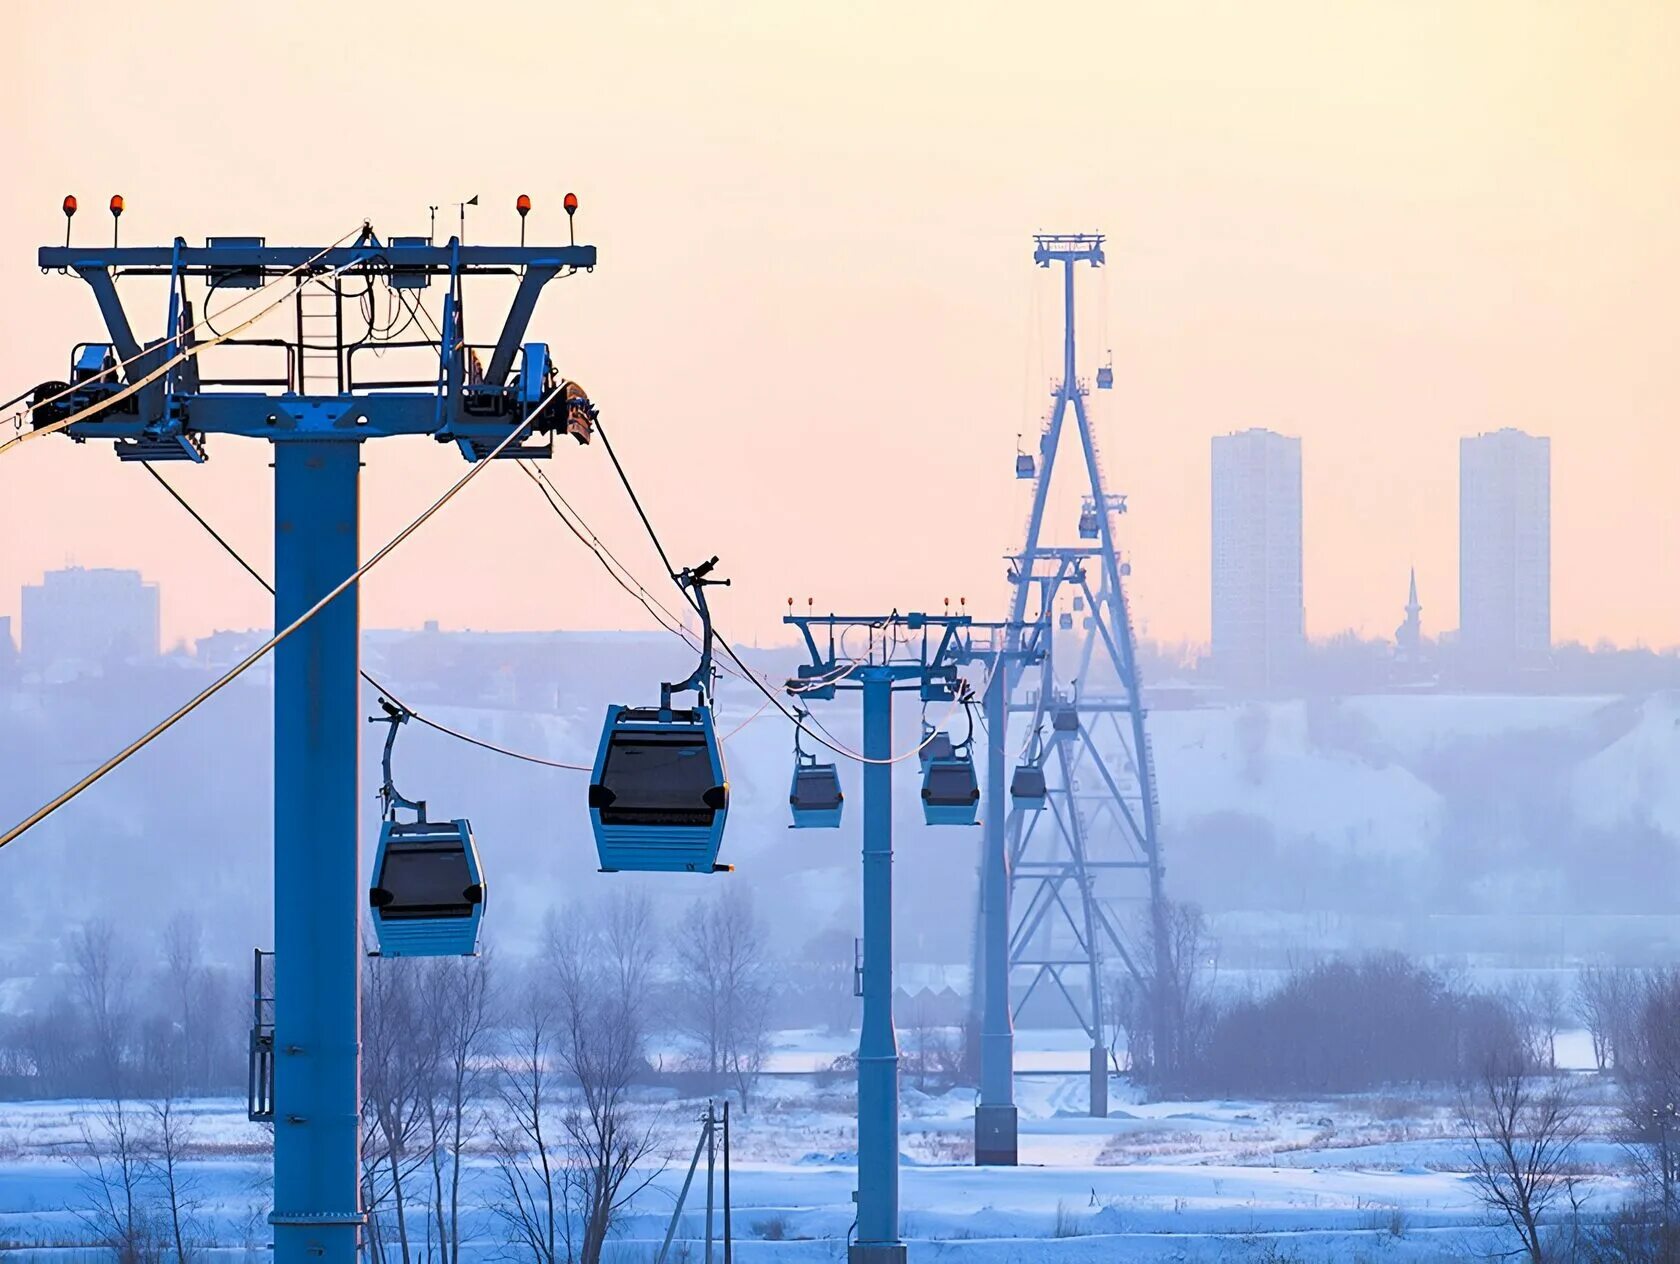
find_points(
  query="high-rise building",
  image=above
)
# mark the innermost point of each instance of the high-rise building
(1259, 618)
(8, 652)
(1505, 550)
(78, 622)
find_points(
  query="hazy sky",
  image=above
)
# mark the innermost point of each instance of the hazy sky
(1379, 226)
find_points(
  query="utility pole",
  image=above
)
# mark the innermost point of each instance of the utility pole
(157, 401)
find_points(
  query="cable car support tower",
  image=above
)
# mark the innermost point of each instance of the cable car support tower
(318, 408)
(1093, 841)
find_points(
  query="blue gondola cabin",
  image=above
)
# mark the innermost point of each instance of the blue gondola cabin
(659, 795)
(427, 898)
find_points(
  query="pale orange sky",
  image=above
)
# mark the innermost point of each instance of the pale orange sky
(1379, 226)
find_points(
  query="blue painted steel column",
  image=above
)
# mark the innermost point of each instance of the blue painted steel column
(317, 870)
(877, 1194)
(995, 1116)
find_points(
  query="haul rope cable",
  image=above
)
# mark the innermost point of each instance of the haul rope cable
(741, 671)
(596, 544)
(203, 323)
(210, 691)
(664, 618)
(624, 576)
(378, 685)
(178, 358)
(729, 649)
(598, 547)
(165, 367)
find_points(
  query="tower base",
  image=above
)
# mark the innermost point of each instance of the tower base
(1099, 1082)
(995, 1143)
(877, 1253)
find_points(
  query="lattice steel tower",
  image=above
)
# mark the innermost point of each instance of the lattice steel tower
(1092, 841)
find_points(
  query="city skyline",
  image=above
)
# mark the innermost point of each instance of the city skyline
(1255, 467)
(1406, 268)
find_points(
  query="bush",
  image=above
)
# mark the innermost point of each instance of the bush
(1348, 1026)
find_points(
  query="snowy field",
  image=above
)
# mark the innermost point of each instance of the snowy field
(1377, 1177)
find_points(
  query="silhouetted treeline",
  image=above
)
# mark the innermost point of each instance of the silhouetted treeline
(1346, 1026)
(126, 1016)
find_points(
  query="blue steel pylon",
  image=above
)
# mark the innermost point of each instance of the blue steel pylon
(167, 407)
(1099, 828)
(920, 652)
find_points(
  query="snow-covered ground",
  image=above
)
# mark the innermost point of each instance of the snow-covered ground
(1375, 1177)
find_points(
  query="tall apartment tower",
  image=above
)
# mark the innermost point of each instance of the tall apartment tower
(78, 622)
(1259, 617)
(1505, 550)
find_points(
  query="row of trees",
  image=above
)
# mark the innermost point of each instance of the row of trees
(1525, 1124)
(112, 1028)
(1350, 1025)
(533, 1066)
(470, 1065)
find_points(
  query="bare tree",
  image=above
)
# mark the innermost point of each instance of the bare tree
(112, 1161)
(458, 1020)
(824, 974)
(103, 973)
(1649, 1067)
(569, 1157)
(1185, 997)
(723, 974)
(1523, 1130)
(177, 1187)
(1606, 1002)
(932, 1050)
(186, 980)
(601, 969)
(1538, 1007)
(526, 1140)
(397, 1064)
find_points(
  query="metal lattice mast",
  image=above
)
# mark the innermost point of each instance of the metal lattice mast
(1096, 841)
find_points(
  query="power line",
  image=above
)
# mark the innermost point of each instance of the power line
(729, 649)
(261, 651)
(377, 684)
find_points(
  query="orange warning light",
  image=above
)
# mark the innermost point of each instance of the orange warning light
(571, 204)
(116, 204)
(523, 205)
(69, 205)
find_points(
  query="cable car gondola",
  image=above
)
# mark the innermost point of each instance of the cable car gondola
(950, 788)
(1088, 524)
(659, 795)
(1026, 787)
(427, 896)
(934, 746)
(951, 791)
(815, 797)
(1025, 466)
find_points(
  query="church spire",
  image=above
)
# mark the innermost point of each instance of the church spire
(1408, 637)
